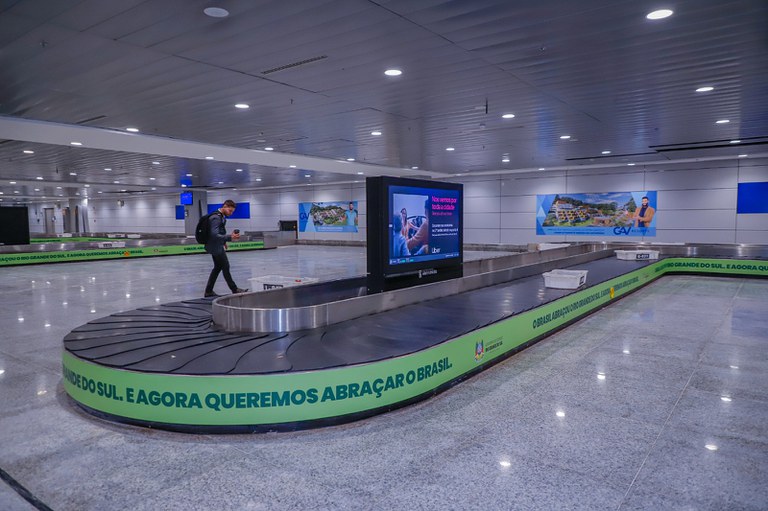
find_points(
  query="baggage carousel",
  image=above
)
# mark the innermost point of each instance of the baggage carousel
(329, 353)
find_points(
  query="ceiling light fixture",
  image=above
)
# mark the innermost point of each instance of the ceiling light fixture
(132, 130)
(153, 163)
(258, 179)
(722, 121)
(414, 168)
(660, 14)
(508, 116)
(269, 148)
(216, 12)
(73, 173)
(152, 178)
(39, 178)
(735, 142)
(292, 166)
(209, 157)
(76, 143)
(706, 88)
(27, 151)
(393, 72)
(631, 164)
(307, 175)
(375, 133)
(564, 137)
(360, 173)
(350, 159)
(107, 169)
(505, 160)
(243, 106)
(743, 155)
(238, 170)
(450, 148)
(605, 152)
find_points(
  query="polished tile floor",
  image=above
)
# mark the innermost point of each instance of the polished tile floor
(659, 401)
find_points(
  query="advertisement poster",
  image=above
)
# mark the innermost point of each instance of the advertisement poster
(424, 224)
(328, 216)
(597, 214)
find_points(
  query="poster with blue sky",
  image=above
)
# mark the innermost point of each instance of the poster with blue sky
(597, 214)
(328, 216)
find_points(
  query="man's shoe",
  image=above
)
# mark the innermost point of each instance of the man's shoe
(238, 290)
(211, 295)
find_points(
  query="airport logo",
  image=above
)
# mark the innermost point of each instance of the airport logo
(479, 351)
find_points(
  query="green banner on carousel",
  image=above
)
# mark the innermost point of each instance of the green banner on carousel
(304, 396)
(114, 253)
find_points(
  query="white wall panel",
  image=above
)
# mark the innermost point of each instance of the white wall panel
(523, 237)
(753, 174)
(606, 183)
(482, 189)
(518, 221)
(752, 222)
(757, 237)
(518, 204)
(490, 236)
(481, 221)
(481, 204)
(691, 179)
(697, 199)
(533, 186)
(695, 236)
(696, 219)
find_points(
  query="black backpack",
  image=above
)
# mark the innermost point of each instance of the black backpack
(203, 229)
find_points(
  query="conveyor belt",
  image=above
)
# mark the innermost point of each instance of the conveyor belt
(180, 338)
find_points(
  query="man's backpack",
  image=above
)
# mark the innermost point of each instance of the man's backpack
(203, 229)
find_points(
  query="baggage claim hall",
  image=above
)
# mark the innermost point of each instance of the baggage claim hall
(484, 255)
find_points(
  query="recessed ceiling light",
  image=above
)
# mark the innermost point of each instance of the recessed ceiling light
(209, 157)
(722, 121)
(99, 192)
(360, 173)
(154, 163)
(450, 148)
(153, 188)
(216, 12)
(505, 160)
(116, 182)
(711, 447)
(243, 106)
(12, 182)
(735, 141)
(58, 188)
(37, 189)
(631, 164)
(726, 399)
(307, 175)
(743, 155)
(258, 179)
(15, 191)
(39, 178)
(605, 152)
(660, 14)
(508, 116)
(375, 133)
(350, 159)
(183, 186)
(152, 178)
(238, 170)
(706, 88)
(132, 130)
(73, 173)
(87, 186)
(189, 175)
(123, 190)
(560, 413)
(75, 143)
(221, 182)
(292, 166)
(414, 168)
(393, 72)
(564, 137)
(269, 148)
(107, 169)
(542, 168)
(27, 151)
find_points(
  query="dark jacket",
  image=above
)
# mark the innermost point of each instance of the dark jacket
(217, 235)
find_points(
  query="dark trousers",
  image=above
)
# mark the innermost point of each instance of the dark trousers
(220, 264)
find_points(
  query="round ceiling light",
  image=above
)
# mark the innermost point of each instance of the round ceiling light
(216, 12)
(660, 14)
(393, 72)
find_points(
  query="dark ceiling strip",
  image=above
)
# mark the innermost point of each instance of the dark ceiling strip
(294, 64)
(710, 142)
(86, 121)
(713, 146)
(608, 156)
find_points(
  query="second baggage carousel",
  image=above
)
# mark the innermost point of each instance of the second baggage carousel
(173, 367)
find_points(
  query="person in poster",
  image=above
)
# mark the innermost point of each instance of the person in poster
(644, 214)
(418, 244)
(399, 248)
(351, 215)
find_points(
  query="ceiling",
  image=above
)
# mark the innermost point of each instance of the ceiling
(312, 72)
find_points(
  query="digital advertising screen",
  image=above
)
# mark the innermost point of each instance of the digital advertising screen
(424, 224)
(186, 198)
(414, 231)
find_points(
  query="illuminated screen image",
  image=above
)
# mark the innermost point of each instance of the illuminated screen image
(424, 224)
(186, 198)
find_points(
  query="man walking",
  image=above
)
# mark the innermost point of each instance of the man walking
(216, 246)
